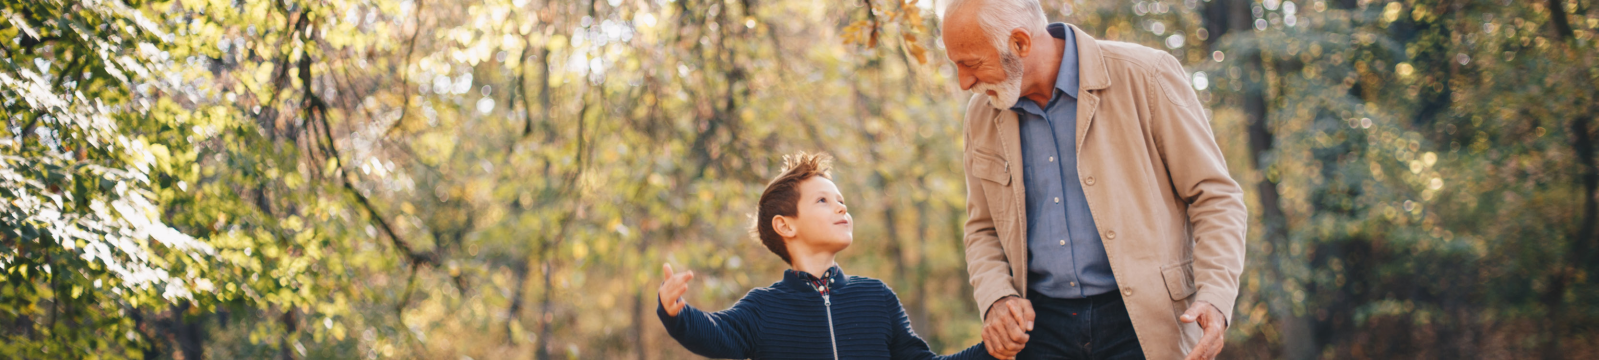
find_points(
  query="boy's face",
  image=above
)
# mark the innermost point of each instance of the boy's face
(822, 222)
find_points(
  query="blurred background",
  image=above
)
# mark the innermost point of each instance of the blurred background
(502, 179)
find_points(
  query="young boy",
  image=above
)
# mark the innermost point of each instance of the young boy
(815, 312)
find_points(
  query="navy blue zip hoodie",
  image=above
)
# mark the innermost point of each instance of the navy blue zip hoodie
(790, 320)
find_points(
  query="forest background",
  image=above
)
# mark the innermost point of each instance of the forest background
(453, 179)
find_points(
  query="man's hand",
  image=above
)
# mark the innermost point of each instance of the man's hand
(1214, 325)
(671, 292)
(1006, 326)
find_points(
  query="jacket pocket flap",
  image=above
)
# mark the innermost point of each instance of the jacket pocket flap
(1179, 279)
(991, 168)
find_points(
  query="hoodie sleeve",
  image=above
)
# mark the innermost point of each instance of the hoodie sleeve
(726, 334)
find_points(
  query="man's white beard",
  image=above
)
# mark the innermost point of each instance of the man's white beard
(1007, 92)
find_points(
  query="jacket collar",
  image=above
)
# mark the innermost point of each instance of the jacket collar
(1092, 74)
(801, 280)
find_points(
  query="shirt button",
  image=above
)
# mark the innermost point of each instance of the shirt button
(1110, 235)
(1052, 159)
(1127, 292)
(1057, 200)
(1089, 181)
(1063, 242)
(1074, 284)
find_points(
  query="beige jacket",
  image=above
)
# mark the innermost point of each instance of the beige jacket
(1171, 217)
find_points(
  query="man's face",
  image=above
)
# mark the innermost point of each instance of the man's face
(980, 67)
(823, 222)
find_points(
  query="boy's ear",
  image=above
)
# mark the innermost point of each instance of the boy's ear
(784, 226)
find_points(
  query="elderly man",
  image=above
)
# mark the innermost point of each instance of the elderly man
(1102, 222)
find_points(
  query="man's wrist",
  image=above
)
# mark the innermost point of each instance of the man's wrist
(1224, 322)
(997, 302)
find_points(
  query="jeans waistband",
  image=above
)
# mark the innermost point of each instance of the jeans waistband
(1035, 296)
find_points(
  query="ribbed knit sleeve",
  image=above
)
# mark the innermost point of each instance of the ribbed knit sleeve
(726, 334)
(904, 344)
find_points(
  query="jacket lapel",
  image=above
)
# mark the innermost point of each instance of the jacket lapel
(1093, 78)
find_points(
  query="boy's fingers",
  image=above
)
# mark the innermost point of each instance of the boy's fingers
(999, 344)
(683, 277)
(995, 348)
(667, 268)
(679, 279)
(675, 307)
(676, 292)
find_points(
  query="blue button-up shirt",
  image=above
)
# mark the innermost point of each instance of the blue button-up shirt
(1065, 256)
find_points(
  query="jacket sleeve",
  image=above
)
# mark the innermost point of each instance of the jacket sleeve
(904, 344)
(1199, 177)
(985, 257)
(726, 334)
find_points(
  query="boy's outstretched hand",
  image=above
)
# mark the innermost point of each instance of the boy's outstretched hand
(671, 292)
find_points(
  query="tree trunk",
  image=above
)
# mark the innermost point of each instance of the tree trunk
(189, 333)
(1564, 272)
(541, 351)
(513, 313)
(1297, 338)
(642, 312)
(285, 349)
(918, 290)
(1233, 16)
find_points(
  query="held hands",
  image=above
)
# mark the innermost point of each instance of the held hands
(671, 292)
(1213, 323)
(1006, 326)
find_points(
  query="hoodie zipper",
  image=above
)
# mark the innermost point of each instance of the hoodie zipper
(830, 335)
(821, 286)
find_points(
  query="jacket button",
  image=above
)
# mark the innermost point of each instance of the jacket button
(1110, 235)
(1089, 181)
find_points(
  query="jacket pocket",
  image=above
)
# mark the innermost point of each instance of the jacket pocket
(991, 168)
(1179, 279)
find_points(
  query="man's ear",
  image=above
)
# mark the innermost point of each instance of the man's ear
(784, 226)
(1020, 42)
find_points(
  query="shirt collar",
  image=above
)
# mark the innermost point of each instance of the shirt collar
(1066, 80)
(802, 280)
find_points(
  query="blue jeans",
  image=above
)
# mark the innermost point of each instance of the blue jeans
(1095, 328)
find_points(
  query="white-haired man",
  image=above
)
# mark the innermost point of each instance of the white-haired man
(1102, 221)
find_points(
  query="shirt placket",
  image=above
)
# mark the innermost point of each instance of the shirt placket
(1058, 228)
(1061, 198)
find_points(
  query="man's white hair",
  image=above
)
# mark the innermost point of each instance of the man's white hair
(999, 17)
